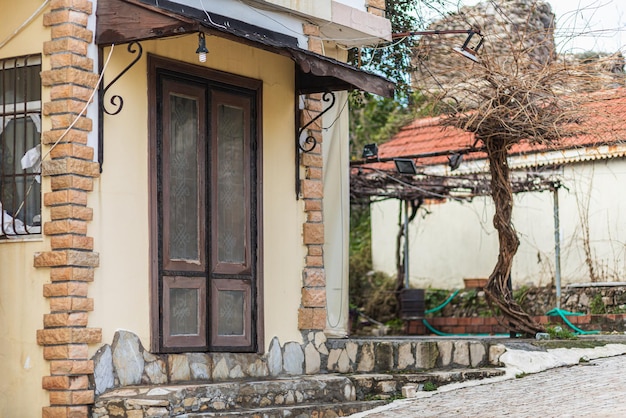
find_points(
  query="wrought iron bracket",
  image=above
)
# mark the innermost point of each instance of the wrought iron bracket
(116, 100)
(308, 144)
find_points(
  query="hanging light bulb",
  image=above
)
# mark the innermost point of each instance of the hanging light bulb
(202, 50)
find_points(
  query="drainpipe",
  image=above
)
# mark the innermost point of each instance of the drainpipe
(557, 247)
(406, 244)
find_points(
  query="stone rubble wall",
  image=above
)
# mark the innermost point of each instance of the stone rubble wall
(127, 363)
(537, 301)
(508, 26)
(601, 307)
(584, 299)
(599, 298)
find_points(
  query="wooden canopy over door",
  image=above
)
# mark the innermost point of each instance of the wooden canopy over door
(123, 21)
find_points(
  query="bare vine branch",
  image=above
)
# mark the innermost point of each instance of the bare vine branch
(511, 100)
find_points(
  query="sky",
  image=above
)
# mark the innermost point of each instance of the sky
(587, 25)
(598, 25)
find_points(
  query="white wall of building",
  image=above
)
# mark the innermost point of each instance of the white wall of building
(452, 240)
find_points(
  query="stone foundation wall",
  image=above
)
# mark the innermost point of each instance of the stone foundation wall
(599, 298)
(385, 355)
(126, 362)
(602, 305)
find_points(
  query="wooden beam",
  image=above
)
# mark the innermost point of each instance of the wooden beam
(320, 73)
(119, 21)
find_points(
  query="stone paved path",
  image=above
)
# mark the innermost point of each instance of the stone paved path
(597, 389)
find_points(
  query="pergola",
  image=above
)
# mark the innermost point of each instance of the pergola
(368, 182)
(375, 180)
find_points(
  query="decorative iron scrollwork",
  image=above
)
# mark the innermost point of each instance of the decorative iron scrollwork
(310, 142)
(116, 100)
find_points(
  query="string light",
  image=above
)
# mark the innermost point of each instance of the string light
(202, 50)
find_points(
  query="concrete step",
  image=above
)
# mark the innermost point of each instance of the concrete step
(384, 386)
(329, 410)
(175, 400)
(298, 396)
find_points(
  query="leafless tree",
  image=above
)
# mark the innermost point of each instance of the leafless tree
(511, 99)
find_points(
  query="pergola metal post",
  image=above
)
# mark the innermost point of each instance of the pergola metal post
(406, 244)
(557, 247)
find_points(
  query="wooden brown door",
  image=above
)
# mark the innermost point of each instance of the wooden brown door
(207, 232)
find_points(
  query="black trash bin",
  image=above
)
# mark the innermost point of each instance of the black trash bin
(412, 303)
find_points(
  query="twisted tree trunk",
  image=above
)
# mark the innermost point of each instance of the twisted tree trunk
(497, 291)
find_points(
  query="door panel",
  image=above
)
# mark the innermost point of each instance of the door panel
(184, 312)
(231, 319)
(206, 222)
(183, 177)
(231, 191)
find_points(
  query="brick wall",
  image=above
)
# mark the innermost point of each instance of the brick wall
(312, 314)
(71, 170)
(489, 325)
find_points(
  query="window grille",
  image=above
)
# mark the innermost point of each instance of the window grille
(20, 146)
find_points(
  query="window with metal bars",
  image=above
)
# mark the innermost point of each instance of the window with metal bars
(20, 146)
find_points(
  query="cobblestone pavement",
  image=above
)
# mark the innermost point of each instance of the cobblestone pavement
(595, 389)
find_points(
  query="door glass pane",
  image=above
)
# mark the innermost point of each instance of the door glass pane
(183, 312)
(183, 179)
(231, 312)
(231, 185)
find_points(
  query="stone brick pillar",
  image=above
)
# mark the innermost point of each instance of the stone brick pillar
(312, 315)
(315, 39)
(376, 7)
(71, 171)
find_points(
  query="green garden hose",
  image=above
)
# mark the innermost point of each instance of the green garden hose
(443, 305)
(437, 309)
(564, 314)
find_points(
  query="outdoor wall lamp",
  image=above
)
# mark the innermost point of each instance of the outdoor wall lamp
(405, 165)
(370, 151)
(454, 161)
(468, 50)
(202, 49)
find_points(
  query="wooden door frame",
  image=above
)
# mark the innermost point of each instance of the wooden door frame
(157, 64)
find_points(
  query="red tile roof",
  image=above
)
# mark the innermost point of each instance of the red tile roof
(605, 122)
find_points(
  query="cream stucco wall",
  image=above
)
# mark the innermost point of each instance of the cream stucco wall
(120, 227)
(336, 215)
(456, 240)
(22, 304)
(22, 307)
(120, 199)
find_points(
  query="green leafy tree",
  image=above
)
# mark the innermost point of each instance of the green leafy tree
(393, 60)
(375, 119)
